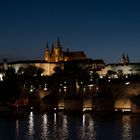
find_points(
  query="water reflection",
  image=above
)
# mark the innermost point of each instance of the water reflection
(31, 126)
(84, 120)
(126, 128)
(88, 130)
(17, 128)
(60, 126)
(64, 127)
(44, 125)
(55, 118)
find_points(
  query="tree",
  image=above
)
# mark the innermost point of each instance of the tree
(39, 71)
(31, 70)
(11, 88)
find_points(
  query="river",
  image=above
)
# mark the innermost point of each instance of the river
(60, 126)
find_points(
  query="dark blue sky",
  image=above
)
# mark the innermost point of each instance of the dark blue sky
(102, 28)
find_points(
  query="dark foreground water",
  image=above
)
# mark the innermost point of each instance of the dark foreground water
(70, 127)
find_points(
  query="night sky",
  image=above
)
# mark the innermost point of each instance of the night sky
(101, 28)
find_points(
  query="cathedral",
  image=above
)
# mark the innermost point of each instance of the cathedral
(124, 59)
(56, 54)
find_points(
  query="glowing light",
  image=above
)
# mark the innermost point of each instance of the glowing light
(126, 109)
(31, 114)
(91, 79)
(97, 88)
(101, 77)
(65, 87)
(87, 109)
(127, 83)
(91, 85)
(55, 118)
(1, 77)
(31, 124)
(84, 109)
(45, 89)
(31, 90)
(84, 89)
(84, 118)
(77, 86)
(126, 76)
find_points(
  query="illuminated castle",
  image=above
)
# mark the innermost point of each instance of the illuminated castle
(55, 57)
(56, 54)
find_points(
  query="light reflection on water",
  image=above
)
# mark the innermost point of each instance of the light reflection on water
(44, 126)
(88, 128)
(17, 128)
(126, 128)
(30, 133)
(59, 126)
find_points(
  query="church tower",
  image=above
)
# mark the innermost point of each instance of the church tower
(52, 54)
(47, 53)
(127, 59)
(57, 51)
(123, 59)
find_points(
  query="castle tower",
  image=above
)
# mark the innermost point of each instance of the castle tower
(57, 51)
(123, 59)
(127, 59)
(5, 65)
(58, 43)
(47, 53)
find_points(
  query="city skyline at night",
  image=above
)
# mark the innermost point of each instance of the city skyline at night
(102, 29)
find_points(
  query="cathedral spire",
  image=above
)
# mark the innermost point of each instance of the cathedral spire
(52, 53)
(47, 53)
(47, 46)
(127, 59)
(123, 59)
(123, 56)
(52, 48)
(58, 42)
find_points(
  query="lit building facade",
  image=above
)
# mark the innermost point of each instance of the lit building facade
(122, 68)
